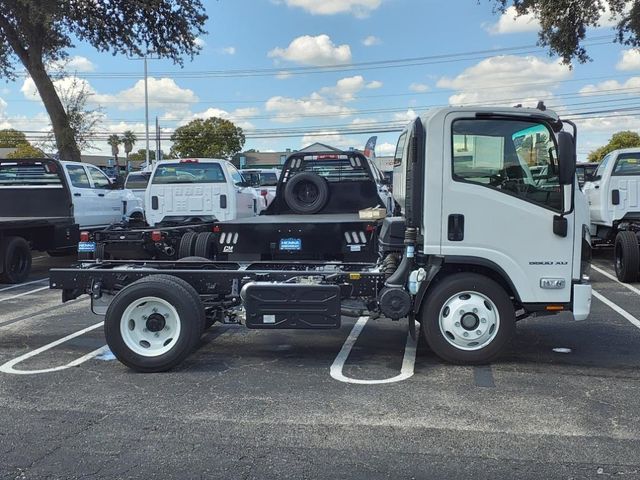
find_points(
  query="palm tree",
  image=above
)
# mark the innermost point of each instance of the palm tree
(114, 140)
(128, 139)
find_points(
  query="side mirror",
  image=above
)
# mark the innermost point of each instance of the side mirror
(566, 158)
(118, 183)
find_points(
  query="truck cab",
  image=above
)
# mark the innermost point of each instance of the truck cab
(613, 192)
(202, 189)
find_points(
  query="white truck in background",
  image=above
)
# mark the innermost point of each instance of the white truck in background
(613, 192)
(198, 189)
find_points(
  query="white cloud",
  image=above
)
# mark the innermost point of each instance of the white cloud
(408, 116)
(520, 79)
(287, 110)
(76, 63)
(200, 42)
(239, 117)
(283, 75)
(163, 93)
(419, 87)
(630, 60)
(609, 125)
(371, 40)
(228, 50)
(319, 50)
(385, 149)
(346, 88)
(609, 85)
(509, 22)
(357, 8)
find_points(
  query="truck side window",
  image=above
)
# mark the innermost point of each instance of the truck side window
(603, 166)
(100, 180)
(397, 158)
(518, 158)
(78, 176)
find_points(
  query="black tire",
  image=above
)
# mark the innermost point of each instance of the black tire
(16, 256)
(194, 259)
(205, 245)
(435, 302)
(627, 256)
(137, 220)
(187, 244)
(177, 293)
(306, 193)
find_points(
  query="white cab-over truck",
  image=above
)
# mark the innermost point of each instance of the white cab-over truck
(613, 192)
(482, 244)
(44, 202)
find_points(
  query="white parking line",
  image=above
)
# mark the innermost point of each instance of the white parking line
(616, 308)
(22, 284)
(613, 277)
(8, 367)
(40, 257)
(24, 293)
(408, 361)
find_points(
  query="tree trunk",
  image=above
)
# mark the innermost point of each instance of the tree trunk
(65, 141)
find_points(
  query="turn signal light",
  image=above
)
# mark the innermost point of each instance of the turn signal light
(554, 308)
(264, 193)
(156, 235)
(84, 236)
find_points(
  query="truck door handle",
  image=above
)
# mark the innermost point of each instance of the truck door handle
(456, 228)
(101, 194)
(596, 186)
(77, 194)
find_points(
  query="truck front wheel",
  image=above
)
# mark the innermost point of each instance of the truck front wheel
(627, 254)
(468, 318)
(153, 324)
(16, 256)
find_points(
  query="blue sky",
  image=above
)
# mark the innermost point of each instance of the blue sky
(287, 34)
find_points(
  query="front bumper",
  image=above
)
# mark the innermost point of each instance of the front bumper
(581, 300)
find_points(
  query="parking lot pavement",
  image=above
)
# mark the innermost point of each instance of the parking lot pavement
(251, 404)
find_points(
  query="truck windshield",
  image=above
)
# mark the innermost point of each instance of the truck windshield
(137, 181)
(29, 174)
(184, 173)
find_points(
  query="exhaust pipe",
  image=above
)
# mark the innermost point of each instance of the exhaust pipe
(401, 275)
(169, 251)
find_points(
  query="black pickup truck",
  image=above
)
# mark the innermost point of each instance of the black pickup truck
(36, 213)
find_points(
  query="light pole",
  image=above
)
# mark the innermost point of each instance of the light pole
(144, 58)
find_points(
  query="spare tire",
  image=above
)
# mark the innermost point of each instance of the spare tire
(306, 193)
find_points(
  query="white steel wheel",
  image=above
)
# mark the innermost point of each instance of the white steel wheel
(469, 320)
(150, 326)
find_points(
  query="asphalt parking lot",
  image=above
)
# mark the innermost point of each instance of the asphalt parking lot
(252, 404)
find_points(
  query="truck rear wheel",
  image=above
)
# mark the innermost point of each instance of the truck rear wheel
(306, 193)
(153, 324)
(627, 252)
(205, 244)
(187, 244)
(16, 256)
(468, 318)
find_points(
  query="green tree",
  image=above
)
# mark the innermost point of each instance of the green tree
(10, 138)
(38, 33)
(26, 150)
(564, 23)
(114, 140)
(140, 156)
(128, 140)
(211, 138)
(624, 139)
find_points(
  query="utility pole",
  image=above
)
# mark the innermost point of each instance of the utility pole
(157, 140)
(146, 110)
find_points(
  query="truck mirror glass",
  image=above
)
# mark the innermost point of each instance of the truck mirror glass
(566, 158)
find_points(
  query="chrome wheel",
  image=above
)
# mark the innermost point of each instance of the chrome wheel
(469, 320)
(150, 326)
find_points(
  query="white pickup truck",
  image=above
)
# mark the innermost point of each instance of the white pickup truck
(202, 189)
(613, 192)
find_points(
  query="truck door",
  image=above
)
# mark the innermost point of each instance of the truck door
(495, 215)
(108, 201)
(246, 197)
(624, 185)
(82, 195)
(595, 190)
